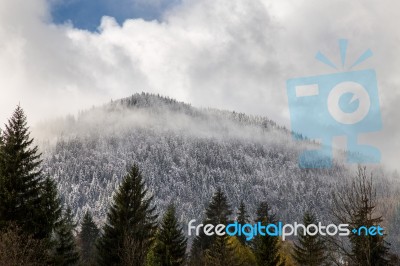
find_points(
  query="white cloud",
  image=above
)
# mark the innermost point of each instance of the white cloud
(227, 54)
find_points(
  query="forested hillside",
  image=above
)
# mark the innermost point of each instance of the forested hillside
(185, 153)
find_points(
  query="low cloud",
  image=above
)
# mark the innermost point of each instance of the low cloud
(225, 54)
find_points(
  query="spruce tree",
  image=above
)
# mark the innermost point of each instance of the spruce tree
(1, 147)
(26, 198)
(222, 253)
(266, 248)
(65, 251)
(242, 218)
(50, 212)
(131, 224)
(170, 245)
(310, 250)
(217, 212)
(87, 239)
(19, 175)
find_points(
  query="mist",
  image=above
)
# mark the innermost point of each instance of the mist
(227, 55)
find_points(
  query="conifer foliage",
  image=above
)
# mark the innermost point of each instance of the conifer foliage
(87, 239)
(21, 180)
(310, 249)
(242, 218)
(51, 210)
(222, 253)
(217, 212)
(170, 246)
(131, 224)
(66, 252)
(266, 248)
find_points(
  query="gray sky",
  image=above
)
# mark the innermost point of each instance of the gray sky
(227, 54)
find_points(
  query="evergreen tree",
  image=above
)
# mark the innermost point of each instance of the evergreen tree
(27, 198)
(266, 248)
(217, 212)
(19, 175)
(243, 218)
(87, 239)
(50, 212)
(65, 247)
(221, 253)
(1, 146)
(170, 246)
(310, 250)
(355, 204)
(131, 224)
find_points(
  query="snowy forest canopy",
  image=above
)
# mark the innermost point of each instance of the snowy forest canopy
(185, 153)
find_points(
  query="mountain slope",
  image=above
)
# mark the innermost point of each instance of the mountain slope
(185, 153)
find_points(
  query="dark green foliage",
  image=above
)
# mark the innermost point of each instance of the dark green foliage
(266, 248)
(19, 176)
(218, 212)
(243, 218)
(170, 246)
(131, 224)
(87, 239)
(50, 212)
(65, 251)
(27, 199)
(221, 253)
(310, 250)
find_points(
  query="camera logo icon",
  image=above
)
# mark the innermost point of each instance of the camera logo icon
(338, 104)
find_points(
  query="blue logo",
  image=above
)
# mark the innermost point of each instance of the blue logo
(344, 103)
(375, 230)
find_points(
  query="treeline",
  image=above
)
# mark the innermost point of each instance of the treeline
(36, 229)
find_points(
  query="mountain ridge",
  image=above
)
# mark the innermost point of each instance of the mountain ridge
(185, 153)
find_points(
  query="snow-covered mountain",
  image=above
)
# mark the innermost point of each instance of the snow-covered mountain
(185, 153)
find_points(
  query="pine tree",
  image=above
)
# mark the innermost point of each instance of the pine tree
(87, 239)
(170, 246)
(131, 224)
(27, 199)
(310, 250)
(65, 247)
(266, 248)
(218, 212)
(243, 218)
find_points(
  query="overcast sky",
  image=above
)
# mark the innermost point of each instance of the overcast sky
(61, 56)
